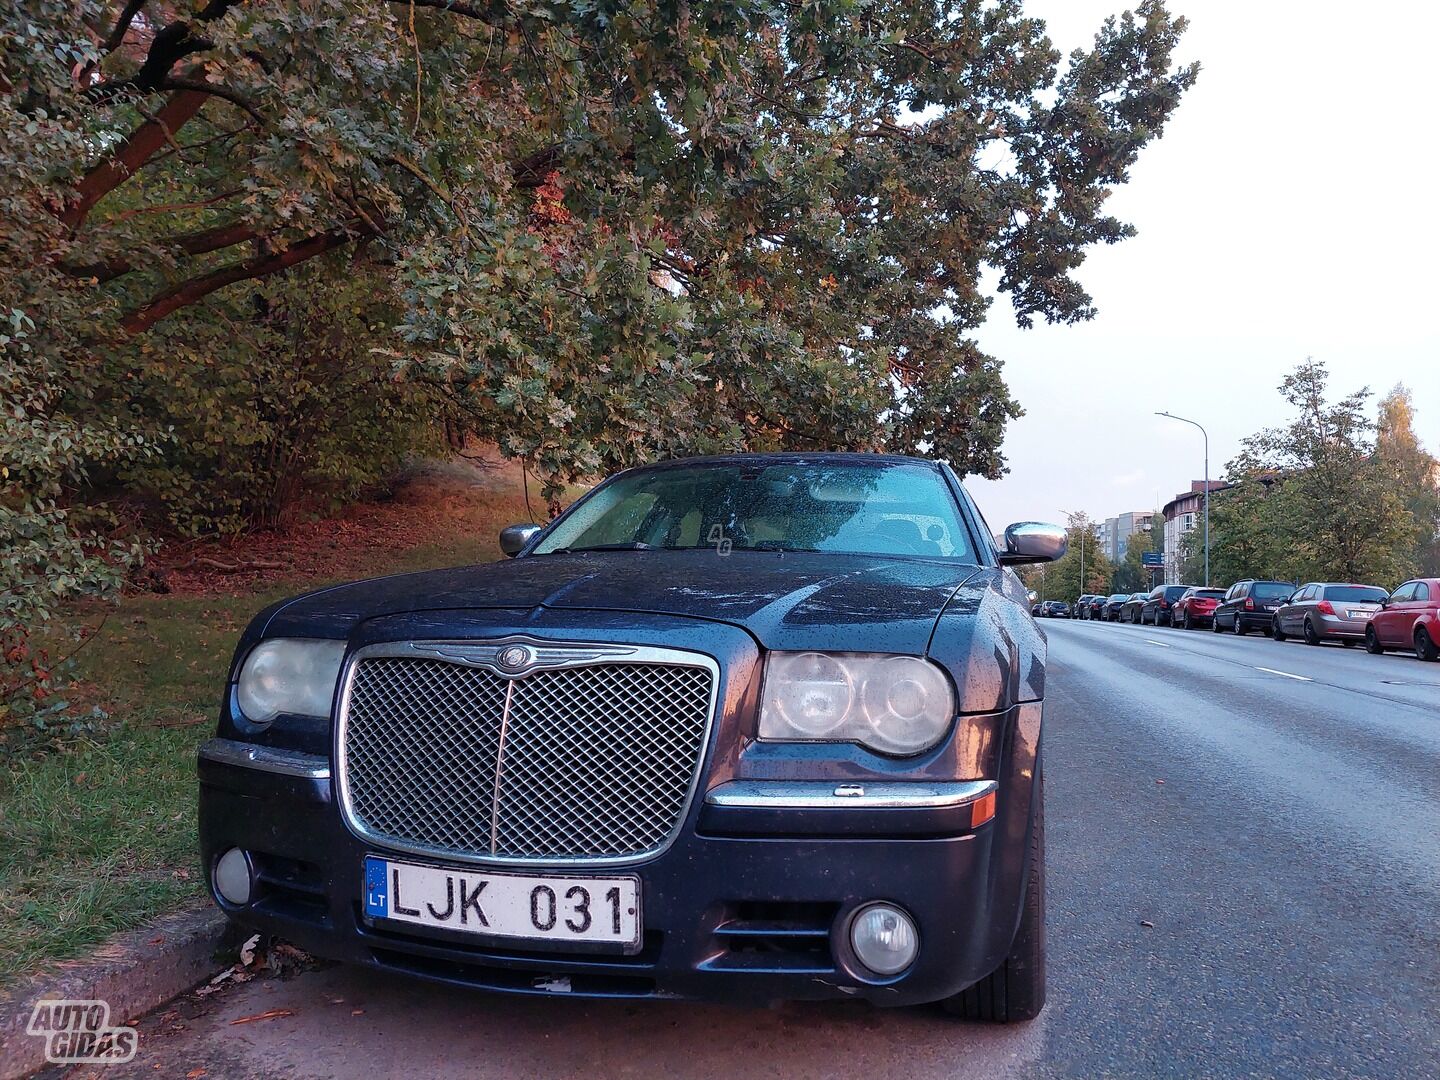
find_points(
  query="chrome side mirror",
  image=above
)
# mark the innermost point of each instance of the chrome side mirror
(1033, 542)
(513, 538)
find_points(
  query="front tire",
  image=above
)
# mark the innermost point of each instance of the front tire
(1185, 623)
(1239, 627)
(1372, 642)
(1015, 991)
(1275, 631)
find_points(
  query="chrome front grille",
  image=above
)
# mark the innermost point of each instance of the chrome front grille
(590, 759)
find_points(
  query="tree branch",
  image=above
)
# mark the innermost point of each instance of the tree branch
(186, 293)
(117, 34)
(530, 171)
(200, 86)
(195, 243)
(464, 10)
(171, 44)
(170, 208)
(143, 142)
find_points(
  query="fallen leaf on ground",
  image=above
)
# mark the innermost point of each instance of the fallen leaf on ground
(156, 940)
(1151, 925)
(247, 951)
(1159, 781)
(194, 1074)
(357, 1012)
(268, 1014)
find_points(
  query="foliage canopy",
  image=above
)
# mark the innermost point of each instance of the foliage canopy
(608, 230)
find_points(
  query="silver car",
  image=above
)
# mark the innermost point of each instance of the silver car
(1326, 609)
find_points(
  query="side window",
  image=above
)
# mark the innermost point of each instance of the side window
(1309, 592)
(1403, 593)
(1422, 591)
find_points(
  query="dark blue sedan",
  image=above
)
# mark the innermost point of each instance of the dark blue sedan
(752, 728)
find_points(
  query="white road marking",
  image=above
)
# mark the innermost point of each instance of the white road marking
(1272, 671)
(1151, 641)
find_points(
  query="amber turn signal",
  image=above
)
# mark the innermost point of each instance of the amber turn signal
(982, 810)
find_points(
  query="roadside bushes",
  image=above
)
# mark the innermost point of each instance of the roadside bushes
(234, 414)
(271, 402)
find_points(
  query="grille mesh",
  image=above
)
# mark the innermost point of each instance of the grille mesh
(597, 761)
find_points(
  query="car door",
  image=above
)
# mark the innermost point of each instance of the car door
(1225, 612)
(1391, 623)
(1284, 617)
(1292, 615)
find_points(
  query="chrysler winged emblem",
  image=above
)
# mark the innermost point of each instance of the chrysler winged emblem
(513, 658)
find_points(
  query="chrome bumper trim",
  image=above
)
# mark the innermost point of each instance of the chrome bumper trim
(854, 795)
(266, 759)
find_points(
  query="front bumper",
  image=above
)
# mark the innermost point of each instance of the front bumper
(749, 903)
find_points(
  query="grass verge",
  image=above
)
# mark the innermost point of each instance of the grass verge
(98, 835)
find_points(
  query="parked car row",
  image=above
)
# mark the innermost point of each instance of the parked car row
(1318, 611)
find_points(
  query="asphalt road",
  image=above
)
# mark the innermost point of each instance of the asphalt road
(1244, 881)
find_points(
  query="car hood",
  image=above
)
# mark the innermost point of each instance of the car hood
(786, 601)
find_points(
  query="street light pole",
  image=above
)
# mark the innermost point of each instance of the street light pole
(1084, 528)
(1206, 437)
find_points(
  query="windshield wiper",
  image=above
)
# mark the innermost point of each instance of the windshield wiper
(628, 545)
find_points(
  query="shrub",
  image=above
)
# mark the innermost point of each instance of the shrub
(271, 402)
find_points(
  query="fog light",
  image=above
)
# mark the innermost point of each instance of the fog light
(232, 877)
(884, 938)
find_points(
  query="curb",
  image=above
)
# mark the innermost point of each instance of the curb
(133, 971)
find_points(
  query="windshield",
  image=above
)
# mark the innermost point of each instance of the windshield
(1356, 594)
(857, 508)
(1174, 592)
(1273, 590)
(1209, 594)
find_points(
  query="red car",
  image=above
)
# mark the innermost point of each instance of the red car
(1196, 607)
(1410, 619)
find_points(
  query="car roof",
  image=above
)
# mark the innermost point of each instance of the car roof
(796, 457)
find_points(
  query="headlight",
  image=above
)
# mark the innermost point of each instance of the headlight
(894, 704)
(289, 675)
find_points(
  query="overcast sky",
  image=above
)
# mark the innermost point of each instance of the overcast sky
(1288, 211)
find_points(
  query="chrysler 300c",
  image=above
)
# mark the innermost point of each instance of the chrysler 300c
(754, 727)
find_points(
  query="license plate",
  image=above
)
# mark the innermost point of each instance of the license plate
(528, 907)
(1359, 614)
